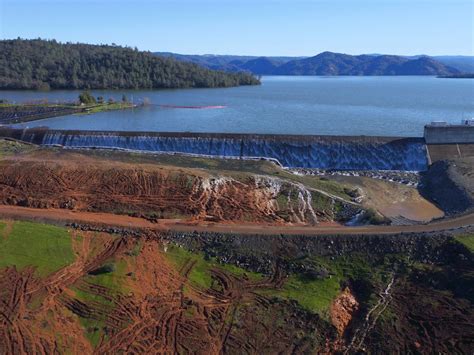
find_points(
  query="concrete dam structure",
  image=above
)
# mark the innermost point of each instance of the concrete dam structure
(443, 133)
(292, 151)
(448, 141)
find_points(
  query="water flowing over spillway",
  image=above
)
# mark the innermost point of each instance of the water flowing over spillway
(323, 152)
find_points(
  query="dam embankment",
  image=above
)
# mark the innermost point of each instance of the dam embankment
(323, 152)
(293, 151)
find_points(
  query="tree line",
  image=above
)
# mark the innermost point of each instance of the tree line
(48, 64)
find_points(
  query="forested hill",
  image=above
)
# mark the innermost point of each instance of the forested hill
(328, 63)
(41, 64)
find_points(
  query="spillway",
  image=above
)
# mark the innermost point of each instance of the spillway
(322, 152)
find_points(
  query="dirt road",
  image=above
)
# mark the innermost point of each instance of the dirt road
(67, 216)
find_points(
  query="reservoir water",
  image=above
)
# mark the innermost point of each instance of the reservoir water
(382, 106)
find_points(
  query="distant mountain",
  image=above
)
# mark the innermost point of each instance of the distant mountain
(261, 66)
(231, 63)
(326, 63)
(464, 64)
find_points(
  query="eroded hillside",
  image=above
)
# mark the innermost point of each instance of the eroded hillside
(89, 291)
(450, 184)
(46, 179)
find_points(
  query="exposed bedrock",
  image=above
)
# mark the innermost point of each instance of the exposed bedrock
(323, 152)
(262, 253)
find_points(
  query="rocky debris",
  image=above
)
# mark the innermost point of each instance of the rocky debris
(371, 216)
(307, 268)
(347, 212)
(403, 221)
(409, 178)
(264, 253)
(356, 194)
(450, 185)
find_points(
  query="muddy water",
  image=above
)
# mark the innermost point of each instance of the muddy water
(415, 210)
(393, 199)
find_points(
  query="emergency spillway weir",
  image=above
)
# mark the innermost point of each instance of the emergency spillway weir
(322, 152)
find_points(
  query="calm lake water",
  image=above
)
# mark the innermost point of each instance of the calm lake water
(386, 106)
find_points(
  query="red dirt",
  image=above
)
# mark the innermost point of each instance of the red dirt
(342, 310)
(161, 313)
(112, 220)
(158, 309)
(78, 188)
(75, 182)
(29, 328)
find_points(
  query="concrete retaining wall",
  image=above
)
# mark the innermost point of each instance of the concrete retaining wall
(449, 134)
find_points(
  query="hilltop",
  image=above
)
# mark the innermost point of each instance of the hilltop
(329, 63)
(41, 64)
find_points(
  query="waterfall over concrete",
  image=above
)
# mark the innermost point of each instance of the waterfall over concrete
(323, 152)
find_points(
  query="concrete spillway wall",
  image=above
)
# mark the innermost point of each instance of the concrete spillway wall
(323, 152)
(449, 134)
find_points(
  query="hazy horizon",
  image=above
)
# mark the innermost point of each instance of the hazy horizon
(248, 55)
(298, 28)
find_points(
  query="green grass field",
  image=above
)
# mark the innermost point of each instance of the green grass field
(467, 240)
(45, 247)
(106, 107)
(314, 295)
(114, 281)
(200, 274)
(93, 328)
(8, 147)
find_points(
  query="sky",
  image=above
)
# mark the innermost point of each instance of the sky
(250, 27)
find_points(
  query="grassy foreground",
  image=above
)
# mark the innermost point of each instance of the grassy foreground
(200, 274)
(116, 288)
(45, 247)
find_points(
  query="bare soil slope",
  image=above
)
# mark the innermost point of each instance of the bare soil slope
(450, 184)
(78, 182)
(149, 292)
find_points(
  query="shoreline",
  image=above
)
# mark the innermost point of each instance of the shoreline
(12, 114)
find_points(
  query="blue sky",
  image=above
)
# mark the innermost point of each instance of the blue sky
(252, 27)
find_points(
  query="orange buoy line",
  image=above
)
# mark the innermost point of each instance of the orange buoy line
(194, 107)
